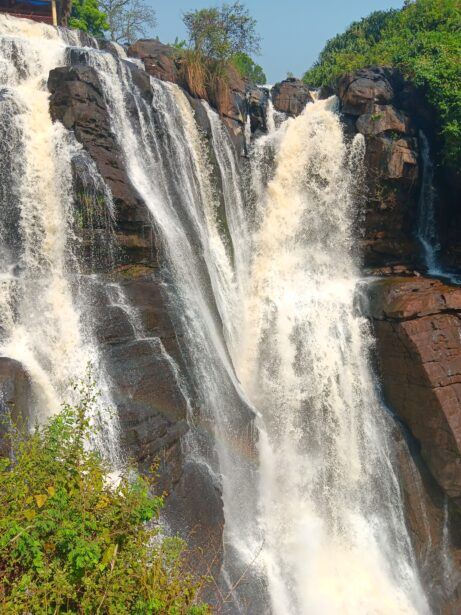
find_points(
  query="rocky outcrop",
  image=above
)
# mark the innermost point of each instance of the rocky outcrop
(232, 96)
(417, 323)
(291, 96)
(16, 399)
(130, 311)
(374, 102)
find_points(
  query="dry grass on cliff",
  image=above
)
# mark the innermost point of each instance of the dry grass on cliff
(195, 73)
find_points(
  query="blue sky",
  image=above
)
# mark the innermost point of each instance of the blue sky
(293, 31)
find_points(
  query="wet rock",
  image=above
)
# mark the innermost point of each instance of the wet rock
(257, 108)
(434, 526)
(291, 96)
(16, 399)
(417, 324)
(393, 158)
(161, 61)
(371, 104)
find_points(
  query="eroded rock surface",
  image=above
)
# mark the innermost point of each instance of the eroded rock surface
(373, 105)
(417, 323)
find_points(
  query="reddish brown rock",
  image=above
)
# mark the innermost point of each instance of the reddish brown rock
(418, 330)
(434, 527)
(392, 165)
(159, 60)
(291, 96)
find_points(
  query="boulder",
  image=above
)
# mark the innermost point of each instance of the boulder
(359, 91)
(291, 96)
(417, 324)
(393, 158)
(382, 118)
(161, 61)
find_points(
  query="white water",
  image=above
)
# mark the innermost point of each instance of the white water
(427, 229)
(330, 509)
(41, 321)
(315, 510)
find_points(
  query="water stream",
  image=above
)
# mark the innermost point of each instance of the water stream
(287, 417)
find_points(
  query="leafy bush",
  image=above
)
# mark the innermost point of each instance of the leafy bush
(221, 32)
(248, 68)
(87, 16)
(423, 40)
(72, 541)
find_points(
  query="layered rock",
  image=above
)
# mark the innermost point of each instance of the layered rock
(130, 311)
(373, 105)
(417, 323)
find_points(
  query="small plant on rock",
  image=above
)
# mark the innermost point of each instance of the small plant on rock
(72, 541)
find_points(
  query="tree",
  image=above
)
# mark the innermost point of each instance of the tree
(248, 68)
(128, 20)
(72, 541)
(423, 40)
(219, 33)
(87, 16)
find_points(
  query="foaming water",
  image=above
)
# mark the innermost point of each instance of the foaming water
(286, 416)
(329, 510)
(41, 323)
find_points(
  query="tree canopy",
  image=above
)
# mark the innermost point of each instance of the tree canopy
(423, 40)
(248, 68)
(219, 33)
(87, 16)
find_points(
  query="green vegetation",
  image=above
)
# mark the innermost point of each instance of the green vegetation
(219, 39)
(248, 68)
(87, 16)
(423, 40)
(219, 33)
(73, 542)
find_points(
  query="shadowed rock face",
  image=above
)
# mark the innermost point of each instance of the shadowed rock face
(16, 399)
(372, 102)
(418, 323)
(140, 345)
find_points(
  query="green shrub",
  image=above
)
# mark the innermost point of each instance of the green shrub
(248, 68)
(72, 541)
(423, 40)
(87, 16)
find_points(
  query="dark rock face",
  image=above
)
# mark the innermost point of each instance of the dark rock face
(291, 96)
(16, 398)
(361, 90)
(139, 343)
(372, 104)
(417, 324)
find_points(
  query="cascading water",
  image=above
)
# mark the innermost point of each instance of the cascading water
(329, 509)
(41, 321)
(265, 298)
(427, 229)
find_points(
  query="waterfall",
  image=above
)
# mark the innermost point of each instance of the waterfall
(42, 324)
(329, 503)
(286, 415)
(427, 229)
